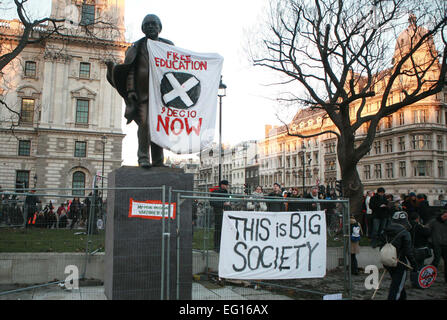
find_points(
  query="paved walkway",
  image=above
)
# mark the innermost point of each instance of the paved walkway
(199, 292)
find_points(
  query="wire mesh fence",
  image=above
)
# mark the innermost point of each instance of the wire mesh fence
(206, 242)
(38, 243)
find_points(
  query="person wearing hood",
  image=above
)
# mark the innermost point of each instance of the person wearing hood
(438, 228)
(397, 233)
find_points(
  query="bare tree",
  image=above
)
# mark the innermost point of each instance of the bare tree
(341, 54)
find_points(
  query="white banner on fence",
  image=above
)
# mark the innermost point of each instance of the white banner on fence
(273, 245)
(182, 97)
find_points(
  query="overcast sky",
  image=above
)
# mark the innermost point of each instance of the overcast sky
(209, 26)
(221, 27)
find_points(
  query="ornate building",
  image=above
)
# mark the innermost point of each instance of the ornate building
(70, 116)
(409, 153)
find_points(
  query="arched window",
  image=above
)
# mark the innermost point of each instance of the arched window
(78, 183)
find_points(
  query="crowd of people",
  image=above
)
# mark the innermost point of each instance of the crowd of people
(418, 230)
(69, 214)
(271, 203)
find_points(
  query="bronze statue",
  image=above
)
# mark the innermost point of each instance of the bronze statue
(131, 80)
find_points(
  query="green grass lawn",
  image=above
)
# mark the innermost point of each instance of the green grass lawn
(48, 240)
(64, 240)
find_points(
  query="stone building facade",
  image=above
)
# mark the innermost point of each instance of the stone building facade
(235, 159)
(70, 115)
(409, 153)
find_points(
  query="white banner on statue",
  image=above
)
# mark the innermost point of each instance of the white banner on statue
(273, 245)
(183, 89)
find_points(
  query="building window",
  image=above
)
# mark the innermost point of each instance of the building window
(30, 69)
(389, 145)
(421, 168)
(419, 116)
(84, 70)
(440, 168)
(400, 115)
(402, 143)
(438, 116)
(388, 122)
(80, 149)
(439, 143)
(78, 184)
(22, 180)
(27, 112)
(389, 170)
(378, 171)
(377, 147)
(24, 147)
(402, 168)
(88, 14)
(367, 172)
(82, 107)
(421, 141)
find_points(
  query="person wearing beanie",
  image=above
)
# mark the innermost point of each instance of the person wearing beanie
(218, 207)
(397, 233)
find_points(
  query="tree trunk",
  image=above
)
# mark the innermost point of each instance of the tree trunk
(351, 183)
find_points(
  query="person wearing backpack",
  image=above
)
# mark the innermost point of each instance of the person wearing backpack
(356, 231)
(397, 235)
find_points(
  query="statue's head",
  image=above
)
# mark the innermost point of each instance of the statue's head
(151, 26)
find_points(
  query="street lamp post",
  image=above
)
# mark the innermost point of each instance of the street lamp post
(222, 93)
(304, 170)
(104, 141)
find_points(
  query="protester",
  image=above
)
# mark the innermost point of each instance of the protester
(275, 206)
(294, 206)
(397, 233)
(31, 201)
(330, 208)
(75, 210)
(219, 207)
(380, 214)
(423, 208)
(61, 216)
(438, 229)
(410, 204)
(356, 232)
(315, 206)
(257, 205)
(419, 235)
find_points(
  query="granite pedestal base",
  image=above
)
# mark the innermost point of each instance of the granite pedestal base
(133, 259)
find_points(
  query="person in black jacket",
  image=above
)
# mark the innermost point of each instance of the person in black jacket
(380, 214)
(218, 208)
(31, 202)
(423, 208)
(397, 233)
(275, 206)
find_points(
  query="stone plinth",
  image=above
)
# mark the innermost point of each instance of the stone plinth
(133, 261)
